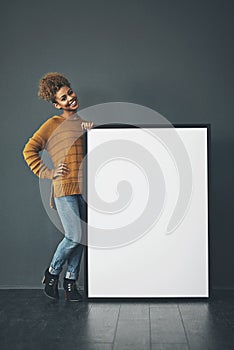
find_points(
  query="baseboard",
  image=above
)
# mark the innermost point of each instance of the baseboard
(23, 287)
(214, 292)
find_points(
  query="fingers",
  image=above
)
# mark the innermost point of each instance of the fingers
(63, 166)
(61, 170)
(87, 125)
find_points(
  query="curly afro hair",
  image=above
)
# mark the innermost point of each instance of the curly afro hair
(50, 83)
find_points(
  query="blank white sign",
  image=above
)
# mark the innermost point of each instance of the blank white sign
(147, 198)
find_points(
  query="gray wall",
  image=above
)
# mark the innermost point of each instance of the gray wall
(175, 57)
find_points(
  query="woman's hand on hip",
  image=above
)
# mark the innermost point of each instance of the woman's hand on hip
(61, 170)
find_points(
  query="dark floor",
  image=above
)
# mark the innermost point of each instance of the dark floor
(29, 320)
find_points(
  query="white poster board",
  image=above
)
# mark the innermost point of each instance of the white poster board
(147, 194)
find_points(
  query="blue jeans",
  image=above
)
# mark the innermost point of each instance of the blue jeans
(70, 209)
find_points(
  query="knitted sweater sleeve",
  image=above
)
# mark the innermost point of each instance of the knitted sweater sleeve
(31, 151)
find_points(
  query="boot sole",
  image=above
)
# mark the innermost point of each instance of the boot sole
(72, 300)
(49, 296)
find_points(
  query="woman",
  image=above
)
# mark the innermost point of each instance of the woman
(62, 137)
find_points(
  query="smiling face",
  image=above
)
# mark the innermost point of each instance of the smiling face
(67, 100)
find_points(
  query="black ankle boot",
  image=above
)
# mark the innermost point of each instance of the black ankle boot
(51, 285)
(71, 292)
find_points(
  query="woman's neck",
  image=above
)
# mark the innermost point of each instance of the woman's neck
(69, 115)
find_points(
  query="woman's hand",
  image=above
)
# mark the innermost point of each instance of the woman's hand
(87, 125)
(61, 170)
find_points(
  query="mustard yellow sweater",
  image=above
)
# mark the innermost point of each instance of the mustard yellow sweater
(63, 139)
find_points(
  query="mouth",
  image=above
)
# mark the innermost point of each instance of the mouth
(73, 103)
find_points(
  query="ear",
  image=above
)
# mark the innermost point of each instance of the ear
(57, 105)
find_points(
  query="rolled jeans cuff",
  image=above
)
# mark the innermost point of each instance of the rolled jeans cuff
(54, 271)
(71, 276)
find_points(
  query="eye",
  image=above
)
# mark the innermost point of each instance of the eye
(63, 98)
(70, 92)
